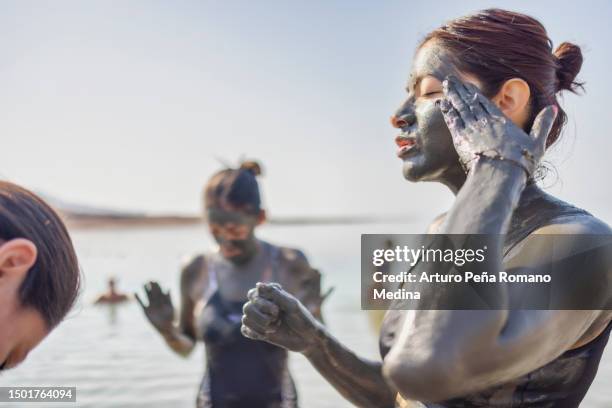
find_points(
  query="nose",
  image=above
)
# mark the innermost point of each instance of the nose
(402, 120)
(397, 122)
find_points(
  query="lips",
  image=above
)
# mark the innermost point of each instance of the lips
(405, 144)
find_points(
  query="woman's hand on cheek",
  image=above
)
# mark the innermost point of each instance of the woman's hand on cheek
(479, 128)
(275, 316)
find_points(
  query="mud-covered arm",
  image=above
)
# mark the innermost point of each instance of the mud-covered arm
(182, 338)
(275, 316)
(440, 354)
(179, 335)
(357, 379)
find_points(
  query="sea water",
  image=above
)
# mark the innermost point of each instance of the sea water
(116, 359)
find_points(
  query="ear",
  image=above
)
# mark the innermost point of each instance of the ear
(17, 256)
(261, 217)
(513, 100)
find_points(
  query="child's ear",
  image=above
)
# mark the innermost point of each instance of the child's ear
(513, 100)
(17, 256)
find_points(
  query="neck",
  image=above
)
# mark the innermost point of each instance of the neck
(453, 178)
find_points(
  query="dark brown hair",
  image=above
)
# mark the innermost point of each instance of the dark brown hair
(51, 286)
(235, 189)
(496, 45)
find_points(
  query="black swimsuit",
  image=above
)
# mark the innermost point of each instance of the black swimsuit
(563, 382)
(240, 372)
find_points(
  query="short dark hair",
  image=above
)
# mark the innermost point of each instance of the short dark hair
(51, 286)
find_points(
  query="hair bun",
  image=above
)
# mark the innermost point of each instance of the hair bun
(569, 58)
(252, 166)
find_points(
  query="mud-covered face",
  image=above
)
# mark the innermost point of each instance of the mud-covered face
(234, 232)
(425, 144)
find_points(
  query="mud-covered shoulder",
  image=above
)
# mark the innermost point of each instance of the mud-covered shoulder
(294, 264)
(581, 236)
(576, 224)
(301, 279)
(292, 255)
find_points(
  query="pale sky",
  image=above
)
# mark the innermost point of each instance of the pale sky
(127, 104)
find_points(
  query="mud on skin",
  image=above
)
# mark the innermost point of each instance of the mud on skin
(499, 157)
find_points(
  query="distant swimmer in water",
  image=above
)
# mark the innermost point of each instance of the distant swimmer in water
(112, 296)
(240, 372)
(39, 272)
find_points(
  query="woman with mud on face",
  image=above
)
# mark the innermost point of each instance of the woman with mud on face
(240, 372)
(481, 109)
(39, 273)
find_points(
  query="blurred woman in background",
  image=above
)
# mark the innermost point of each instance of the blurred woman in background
(240, 372)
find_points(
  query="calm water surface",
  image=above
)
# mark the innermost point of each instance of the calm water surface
(115, 359)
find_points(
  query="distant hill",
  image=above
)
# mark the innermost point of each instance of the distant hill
(85, 216)
(84, 210)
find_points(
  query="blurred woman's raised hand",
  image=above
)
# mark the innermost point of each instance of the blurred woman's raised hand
(159, 310)
(276, 316)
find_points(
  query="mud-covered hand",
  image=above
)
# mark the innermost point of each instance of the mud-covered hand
(480, 128)
(275, 316)
(159, 310)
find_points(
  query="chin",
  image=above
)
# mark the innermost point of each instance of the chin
(413, 171)
(417, 170)
(410, 176)
(239, 259)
